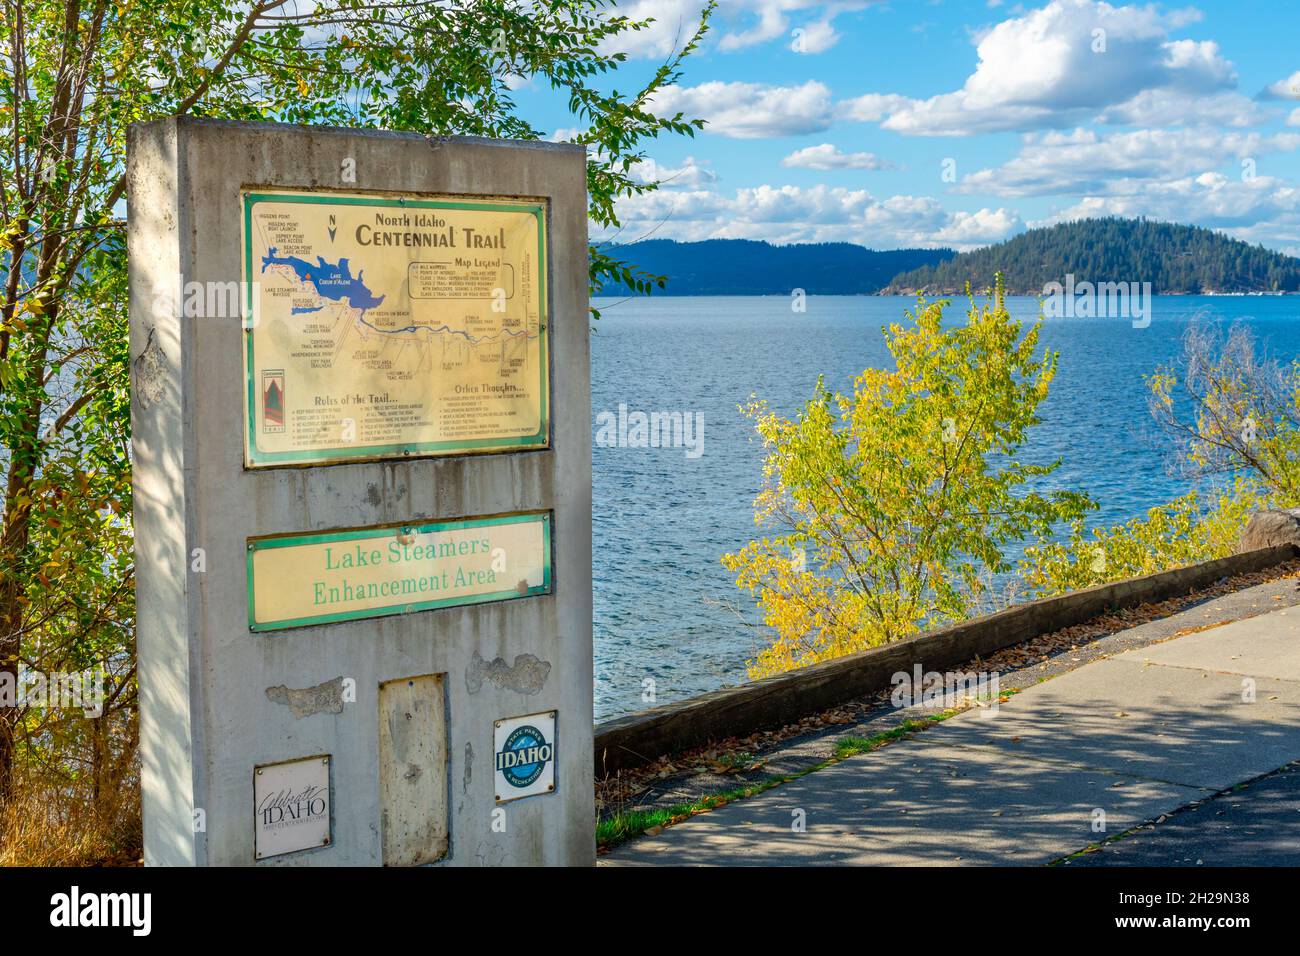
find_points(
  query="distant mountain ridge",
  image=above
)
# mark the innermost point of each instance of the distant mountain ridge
(750, 267)
(1174, 258)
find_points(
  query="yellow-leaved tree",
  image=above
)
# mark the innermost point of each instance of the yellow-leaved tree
(886, 509)
(1233, 413)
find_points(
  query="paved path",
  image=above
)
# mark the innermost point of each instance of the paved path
(1256, 824)
(1134, 736)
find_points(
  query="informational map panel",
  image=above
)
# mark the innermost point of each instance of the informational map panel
(387, 327)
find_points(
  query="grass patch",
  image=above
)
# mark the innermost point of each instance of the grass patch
(852, 746)
(624, 826)
(632, 823)
(63, 824)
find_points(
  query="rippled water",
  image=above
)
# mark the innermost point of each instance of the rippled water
(665, 608)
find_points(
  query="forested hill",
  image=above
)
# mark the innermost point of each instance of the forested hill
(746, 267)
(1173, 258)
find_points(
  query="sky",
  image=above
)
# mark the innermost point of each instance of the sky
(918, 123)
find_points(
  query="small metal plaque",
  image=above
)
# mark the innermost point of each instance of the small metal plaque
(291, 806)
(524, 749)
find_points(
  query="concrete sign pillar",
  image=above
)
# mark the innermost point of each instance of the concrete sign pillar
(361, 441)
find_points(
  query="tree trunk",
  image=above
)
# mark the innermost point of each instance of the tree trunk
(13, 544)
(6, 754)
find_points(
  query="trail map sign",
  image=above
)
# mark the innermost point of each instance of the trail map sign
(392, 326)
(361, 465)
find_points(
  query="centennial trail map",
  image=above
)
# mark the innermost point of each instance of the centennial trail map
(386, 327)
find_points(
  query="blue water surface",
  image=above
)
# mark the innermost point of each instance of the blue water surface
(665, 608)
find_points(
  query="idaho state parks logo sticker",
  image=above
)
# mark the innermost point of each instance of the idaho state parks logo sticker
(525, 756)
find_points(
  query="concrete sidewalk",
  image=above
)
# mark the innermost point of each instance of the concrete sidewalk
(1133, 736)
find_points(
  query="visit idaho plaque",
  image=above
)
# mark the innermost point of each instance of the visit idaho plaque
(392, 326)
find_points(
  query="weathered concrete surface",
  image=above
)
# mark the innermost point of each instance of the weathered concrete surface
(1249, 647)
(1019, 668)
(324, 698)
(206, 718)
(1187, 726)
(1135, 736)
(775, 701)
(527, 675)
(1257, 824)
(921, 803)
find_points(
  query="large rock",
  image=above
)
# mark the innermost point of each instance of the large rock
(1267, 529)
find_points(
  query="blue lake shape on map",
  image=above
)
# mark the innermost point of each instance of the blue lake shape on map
(329, 280)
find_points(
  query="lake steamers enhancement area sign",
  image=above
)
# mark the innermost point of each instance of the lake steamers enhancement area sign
(383, 327)
(297, 580)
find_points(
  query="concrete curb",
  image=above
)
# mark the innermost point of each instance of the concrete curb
(639, 738)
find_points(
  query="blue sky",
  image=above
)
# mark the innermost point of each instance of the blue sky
(915, 123)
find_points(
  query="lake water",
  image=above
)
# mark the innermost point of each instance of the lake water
(665, 608)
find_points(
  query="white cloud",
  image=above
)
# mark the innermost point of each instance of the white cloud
(1288, 89)
(1084, 162)
(737, 24)
(871, 107)
(816, 37)
(1173, 107)
(1261, 209)
(1059, 66)
(772, 23)
(750, 110)
(784, 214)
(828, 156)
(675, 22)
(770, 19)
(968, 229)
(690, 174)
(1050, 72)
